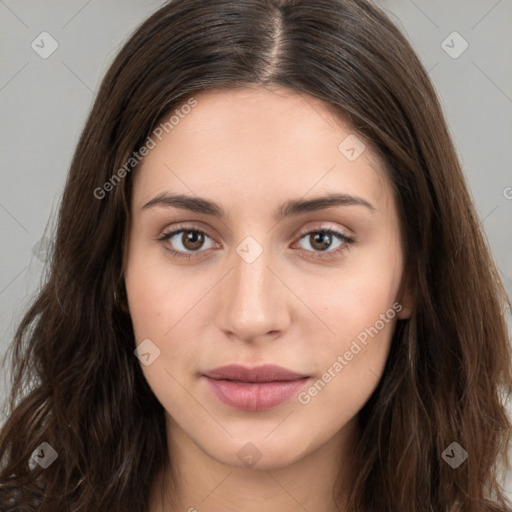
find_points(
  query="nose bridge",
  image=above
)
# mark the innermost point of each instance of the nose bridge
(255, 303)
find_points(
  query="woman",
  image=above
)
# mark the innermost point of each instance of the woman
(269, 288)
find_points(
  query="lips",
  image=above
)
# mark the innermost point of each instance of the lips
(265, 373)
(253, 389)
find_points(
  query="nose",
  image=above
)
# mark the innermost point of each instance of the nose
(254, 303)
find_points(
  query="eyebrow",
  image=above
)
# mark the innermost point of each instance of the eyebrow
(290, 208)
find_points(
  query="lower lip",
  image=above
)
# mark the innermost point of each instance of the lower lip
(258, 396)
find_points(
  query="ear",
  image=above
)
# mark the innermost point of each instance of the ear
(406, 295)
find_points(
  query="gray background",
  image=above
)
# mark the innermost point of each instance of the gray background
(44, 103)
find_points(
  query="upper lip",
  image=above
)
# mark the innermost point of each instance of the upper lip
(263, 373)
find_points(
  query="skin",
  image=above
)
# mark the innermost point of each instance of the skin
(250, 150)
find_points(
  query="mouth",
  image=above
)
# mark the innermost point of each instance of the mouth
(254, 389)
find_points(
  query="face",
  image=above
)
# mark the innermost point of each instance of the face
(252, 268)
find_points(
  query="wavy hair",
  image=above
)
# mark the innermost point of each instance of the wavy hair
(76, 383)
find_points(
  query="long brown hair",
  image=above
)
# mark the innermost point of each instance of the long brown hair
(76, 382)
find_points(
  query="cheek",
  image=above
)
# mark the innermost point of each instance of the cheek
(363, 331)
(151, 292)
(359, 306)
(350, 362)
(145, 304)
(355, 300)
(161, 304)
(157, 312)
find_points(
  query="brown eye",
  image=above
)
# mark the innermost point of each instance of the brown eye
(185, 241)
(192, 240)
(320, 241)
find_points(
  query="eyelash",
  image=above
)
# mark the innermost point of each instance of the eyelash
(347, 242)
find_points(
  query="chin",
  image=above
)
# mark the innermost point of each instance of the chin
(259, 452)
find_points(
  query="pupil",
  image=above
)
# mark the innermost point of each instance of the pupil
(193, 240)
(318, 238)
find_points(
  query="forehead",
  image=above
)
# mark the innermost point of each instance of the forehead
(252, 139)
(277, 115)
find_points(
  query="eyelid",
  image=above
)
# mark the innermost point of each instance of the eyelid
(326, 227)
